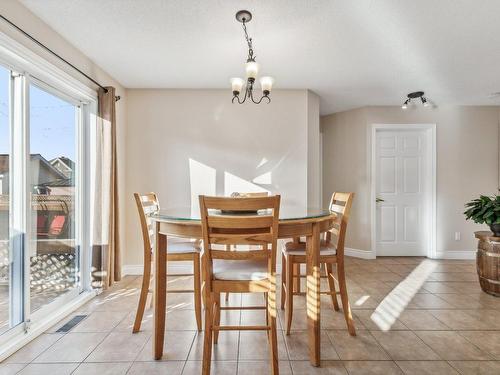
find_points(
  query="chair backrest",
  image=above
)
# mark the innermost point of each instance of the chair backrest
(147, 204)
(341, 204)
(252, 195)
(252, 221)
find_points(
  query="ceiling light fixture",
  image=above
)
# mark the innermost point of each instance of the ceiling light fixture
(415, 95)
(251, 68)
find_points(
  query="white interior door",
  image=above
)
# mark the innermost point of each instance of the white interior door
(401, 184)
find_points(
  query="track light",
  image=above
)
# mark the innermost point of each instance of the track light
(415, 95)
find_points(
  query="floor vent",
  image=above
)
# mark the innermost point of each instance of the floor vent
(72, 323)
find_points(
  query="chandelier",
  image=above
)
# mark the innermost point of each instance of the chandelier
(251, 68)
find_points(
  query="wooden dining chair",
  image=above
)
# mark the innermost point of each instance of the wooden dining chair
(331, 254)
(179, 249)
(245, 195)
(240, 271)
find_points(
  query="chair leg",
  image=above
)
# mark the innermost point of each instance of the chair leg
(266, 301)
(283, 280)
(296, 278)
(197, 290)
(143, 297)
(331, 283)
(344, 298)
(216, 315)
(207, 342)
(228, 248)
(289, 297)
(152, 299)
(272, 335)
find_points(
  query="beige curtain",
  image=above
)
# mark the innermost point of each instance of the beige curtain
(106, 248)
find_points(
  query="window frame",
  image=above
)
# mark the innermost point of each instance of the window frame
(38, 69)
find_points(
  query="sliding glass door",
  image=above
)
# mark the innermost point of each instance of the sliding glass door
(53, 189)
(44, 225)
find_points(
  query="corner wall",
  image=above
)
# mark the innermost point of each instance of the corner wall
(467, 165)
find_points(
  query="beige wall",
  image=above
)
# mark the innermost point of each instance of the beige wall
(176, 136)
(22, 17)
(467, 164)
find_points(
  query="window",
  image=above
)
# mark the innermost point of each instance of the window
(45, 128)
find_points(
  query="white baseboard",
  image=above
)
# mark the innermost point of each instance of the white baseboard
(457, 254)
(356, 253)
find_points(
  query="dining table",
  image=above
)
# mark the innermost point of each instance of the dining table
(295, 221)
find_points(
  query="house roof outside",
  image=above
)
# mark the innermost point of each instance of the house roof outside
(4, 165)
(65, 161)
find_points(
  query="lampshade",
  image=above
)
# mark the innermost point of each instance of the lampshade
(237, 84)
(252, 69)
(266, 83)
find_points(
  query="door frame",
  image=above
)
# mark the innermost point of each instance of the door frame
(430, 130)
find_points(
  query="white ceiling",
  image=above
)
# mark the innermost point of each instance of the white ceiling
(351, 53)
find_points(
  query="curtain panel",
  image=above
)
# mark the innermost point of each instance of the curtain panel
(106, 257)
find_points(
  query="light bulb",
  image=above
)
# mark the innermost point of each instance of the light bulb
(237, 85)
(266, 84)
(405, 105)
(252, 69)
(425, 102)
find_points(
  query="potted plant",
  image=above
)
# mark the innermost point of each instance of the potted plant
(485, 209)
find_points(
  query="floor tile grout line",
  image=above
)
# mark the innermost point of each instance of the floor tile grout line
(100, 342)
(189, 351)
(24, 366)
(419, 338)
(477, 347)
(43, 351)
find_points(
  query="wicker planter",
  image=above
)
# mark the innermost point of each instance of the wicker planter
(488, 262)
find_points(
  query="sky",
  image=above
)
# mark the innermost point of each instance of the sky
(52, 122)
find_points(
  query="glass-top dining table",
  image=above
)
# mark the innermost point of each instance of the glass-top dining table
(294, 222)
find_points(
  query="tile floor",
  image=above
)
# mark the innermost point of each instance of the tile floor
(413, 316)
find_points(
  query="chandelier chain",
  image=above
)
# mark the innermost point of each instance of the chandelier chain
(251, 57)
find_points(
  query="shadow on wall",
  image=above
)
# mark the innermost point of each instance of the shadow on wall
(203, 181)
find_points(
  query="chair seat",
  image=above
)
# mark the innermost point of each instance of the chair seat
(293, 248)
(240, 270)
(182, 246)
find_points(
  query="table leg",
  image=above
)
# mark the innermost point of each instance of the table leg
(160, 292)
(313, 295)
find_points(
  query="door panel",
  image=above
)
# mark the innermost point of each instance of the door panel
(387, 222)
(411, 223)
(400, 182)
(388, 175)
(411, 174)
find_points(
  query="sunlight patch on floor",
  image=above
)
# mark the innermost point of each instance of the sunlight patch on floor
(360, 301)
(391, 307)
